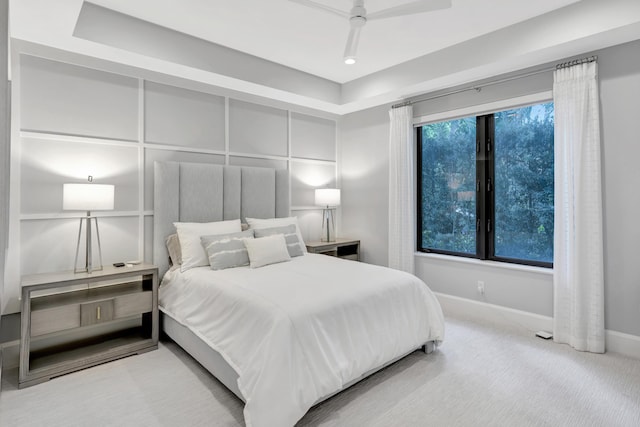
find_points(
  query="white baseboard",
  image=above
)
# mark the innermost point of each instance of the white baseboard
(625, 344)
(494, 313)
(616, 342)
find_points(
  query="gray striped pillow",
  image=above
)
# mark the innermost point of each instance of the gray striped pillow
(290, 236)
(227, 250)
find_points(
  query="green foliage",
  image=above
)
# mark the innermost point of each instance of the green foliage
(523, 184)
(449, 170)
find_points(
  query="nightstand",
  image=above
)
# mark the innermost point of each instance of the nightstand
(71, 321)
(341, 248)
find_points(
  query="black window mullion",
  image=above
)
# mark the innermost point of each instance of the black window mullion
(419, 218)
(490, 195)
(481, 185)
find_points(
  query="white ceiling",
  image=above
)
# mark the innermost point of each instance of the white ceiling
(396, 57)
(313, 41)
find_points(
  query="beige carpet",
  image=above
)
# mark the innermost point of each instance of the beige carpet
(482, 375)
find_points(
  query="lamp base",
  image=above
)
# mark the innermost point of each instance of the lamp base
(328, 226)
(88, 264)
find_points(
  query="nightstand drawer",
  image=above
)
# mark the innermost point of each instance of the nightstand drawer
(69, 316)
(92, 313)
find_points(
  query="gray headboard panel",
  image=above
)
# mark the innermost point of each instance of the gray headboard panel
(198, 192)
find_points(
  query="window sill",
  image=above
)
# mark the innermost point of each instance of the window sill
(489, 264)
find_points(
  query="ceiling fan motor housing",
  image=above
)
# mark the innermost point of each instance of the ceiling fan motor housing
(357, 21)
(358, 13)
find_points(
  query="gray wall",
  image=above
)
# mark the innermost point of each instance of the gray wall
(364, 165)
(364, 172)
(77, 121)
(619, 70)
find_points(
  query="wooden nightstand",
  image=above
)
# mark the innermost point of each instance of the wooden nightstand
(71, 321)
(341, 248)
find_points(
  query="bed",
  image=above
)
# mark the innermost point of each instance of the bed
(288, 335)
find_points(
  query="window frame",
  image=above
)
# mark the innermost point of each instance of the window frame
(485, 167)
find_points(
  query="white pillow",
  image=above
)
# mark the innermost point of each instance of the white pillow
(258, 223)
(193, 253)
(290, 236)
(267, 250)
(173, 247)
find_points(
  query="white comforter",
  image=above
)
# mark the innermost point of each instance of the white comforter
(300, 330)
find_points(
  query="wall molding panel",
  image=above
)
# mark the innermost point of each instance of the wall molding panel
(75, 121)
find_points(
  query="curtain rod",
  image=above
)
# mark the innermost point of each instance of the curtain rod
(567, 64)
(478, 88)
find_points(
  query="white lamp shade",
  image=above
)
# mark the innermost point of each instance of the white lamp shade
(328, 196)
(87, 197)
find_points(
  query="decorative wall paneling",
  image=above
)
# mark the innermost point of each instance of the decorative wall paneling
(76, 121)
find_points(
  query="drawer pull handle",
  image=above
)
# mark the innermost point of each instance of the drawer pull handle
(98, 312)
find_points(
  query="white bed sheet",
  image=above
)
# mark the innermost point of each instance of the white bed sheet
(300, 330)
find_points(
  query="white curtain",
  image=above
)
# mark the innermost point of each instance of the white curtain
(401, 190)
(578, 277)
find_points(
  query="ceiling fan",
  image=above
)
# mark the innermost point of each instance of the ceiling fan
(358, 16)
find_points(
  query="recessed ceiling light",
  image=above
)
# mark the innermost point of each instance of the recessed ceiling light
(349, 60)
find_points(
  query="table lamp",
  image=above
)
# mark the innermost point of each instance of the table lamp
(88, 197)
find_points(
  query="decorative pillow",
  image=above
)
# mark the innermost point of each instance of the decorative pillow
(267, 250)
(290, 236)
(257, 223)
(173, 247)
(227, 250)
(193, 253)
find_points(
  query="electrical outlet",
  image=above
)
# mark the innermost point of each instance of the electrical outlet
(480, 287)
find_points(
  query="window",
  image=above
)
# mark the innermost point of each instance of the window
(485, 187)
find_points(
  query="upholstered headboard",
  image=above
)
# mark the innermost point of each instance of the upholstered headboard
(199, 192)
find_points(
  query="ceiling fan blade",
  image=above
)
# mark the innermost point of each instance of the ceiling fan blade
(418, 6)
(352, 43)
(320, 6)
